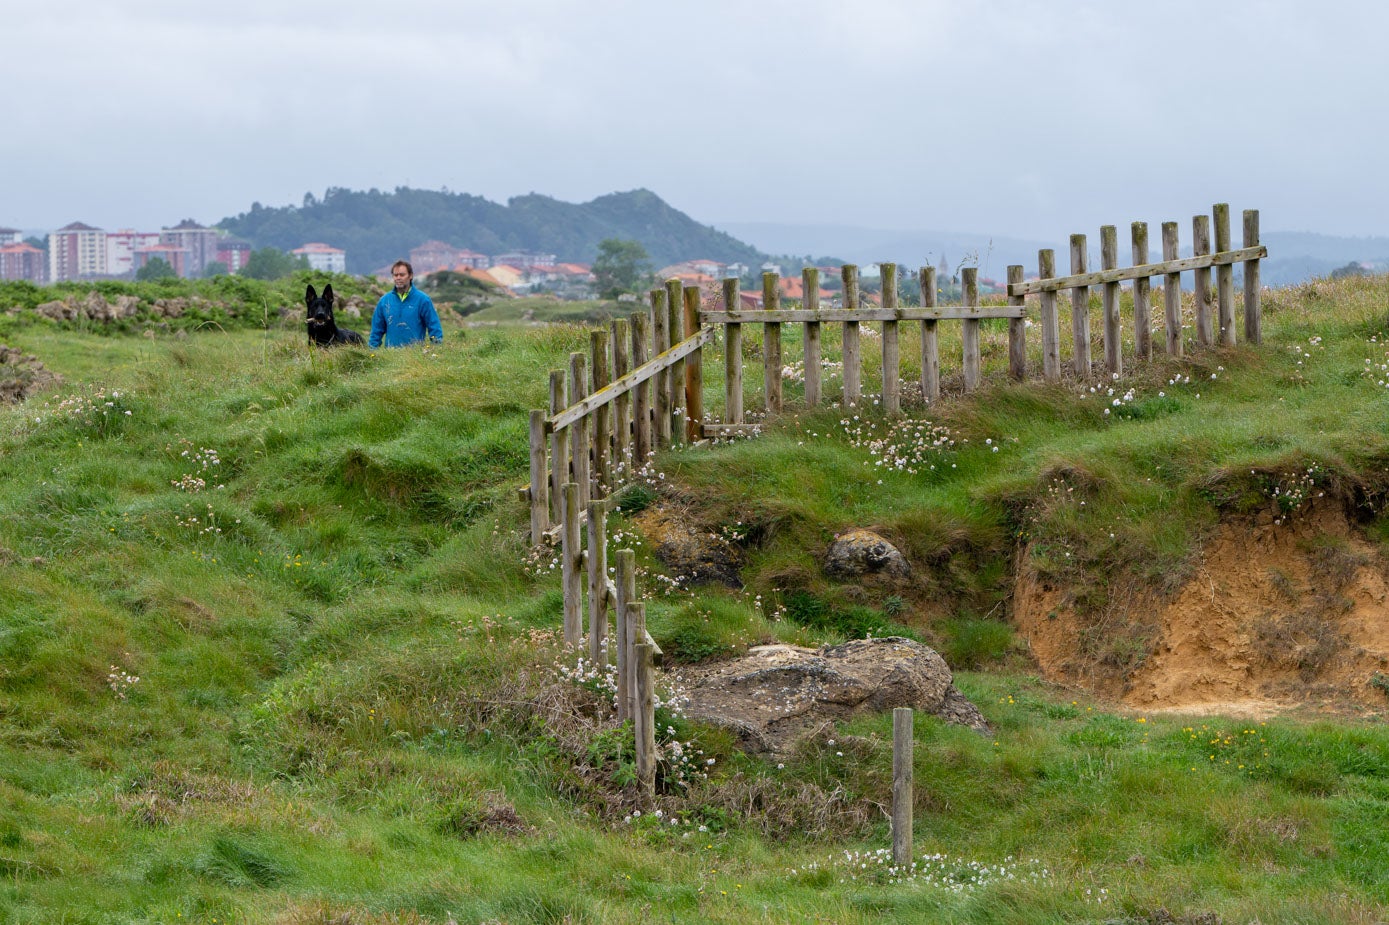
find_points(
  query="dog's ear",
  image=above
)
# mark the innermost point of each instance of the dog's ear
(328, 294)
(310, 295)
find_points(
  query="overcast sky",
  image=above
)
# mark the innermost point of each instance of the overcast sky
(1003, 117)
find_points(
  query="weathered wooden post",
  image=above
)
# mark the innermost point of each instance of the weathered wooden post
(602, 415)
(675, 307)
(626, 596)
(1253, 319)
(540, 484)
(771, 343)
(1080, 310)
(892, 346)
(660, 322)
(853, 379)
(810, 283)
(1142, 323)
(1017, 329)
(579, 442)
(694, 369)
(1224, 275)
(597, 561)
(645, 718)
(1109, 298)
(622, 405)
(732, 356)
(930, 338)
(902, 786)
(559, 447)
(569, 560)
(969, 333)
(1051, 324)
(641, 395)
(1172, 293)
(1201, 281)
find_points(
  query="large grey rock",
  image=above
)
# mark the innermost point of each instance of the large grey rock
(777, 695)
(861, 554)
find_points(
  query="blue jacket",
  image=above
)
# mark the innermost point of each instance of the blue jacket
(401, 322)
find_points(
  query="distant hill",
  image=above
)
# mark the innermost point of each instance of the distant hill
(375, 228)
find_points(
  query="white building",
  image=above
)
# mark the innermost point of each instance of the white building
(323, 258)
(121, 247)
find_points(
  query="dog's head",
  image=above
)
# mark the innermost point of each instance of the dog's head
(320, 307)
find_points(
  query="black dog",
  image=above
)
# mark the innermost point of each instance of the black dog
(323, 329)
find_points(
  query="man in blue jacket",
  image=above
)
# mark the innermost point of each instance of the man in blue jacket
(404, 315)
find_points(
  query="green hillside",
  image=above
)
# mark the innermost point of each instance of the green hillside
(273, 647)
(375, 228)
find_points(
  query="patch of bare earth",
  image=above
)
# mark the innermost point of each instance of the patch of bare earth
(1276, 617)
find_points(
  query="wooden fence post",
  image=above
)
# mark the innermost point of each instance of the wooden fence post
(732, 356)
(969, 333)
(853, 381)
(694, 369)
(1109, 297)
(1172, 293)
(810, 283)
(902, 786)
(930, 341)
(579, 442)
(602, 415)
(569, 567)
(540, 483)
(771, 344)
(892, 345)
(675, 308)
(626, 596)
(1201, 281)
(1224, 275)
(641, 397)
(559, 447)
(1142, 323)
(660, 324)
(622, 407)
(1017, 330)
(1253, 317)
(1051, 325)
(597, 580)
(1080, 310)
(644, 721)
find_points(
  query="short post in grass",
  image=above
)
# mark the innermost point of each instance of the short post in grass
(602, 415)
(1051, 325)
(641, 397)
(1109, 298)
(622, 405)
(540, 485)
(1142, 337)
(1201, 280)
(569, 567)
(1224, 274)
(853, 375)
(597, 580)
(902, 786)
(675, 324)
(1080, 310)
(660, 324)
(969, 333)
(626, 594)
(559, 448)
(732, 356)
(1017, 330)
(578, 441)
(1172, 294)
(694, 369)
(930, 338)
(771, 343)
(810, 285)
(1253, 321)
(644, 722)
(892, 345)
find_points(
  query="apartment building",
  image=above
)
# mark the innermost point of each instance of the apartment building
(322, 257)
(76, 251)
(20, 260)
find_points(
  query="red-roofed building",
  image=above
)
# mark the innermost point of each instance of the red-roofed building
(175, 256)
(322, 257)
(23, 261)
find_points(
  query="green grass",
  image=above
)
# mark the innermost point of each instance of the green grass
(322, 686)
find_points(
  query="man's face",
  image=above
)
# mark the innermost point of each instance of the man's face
(401, 277)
